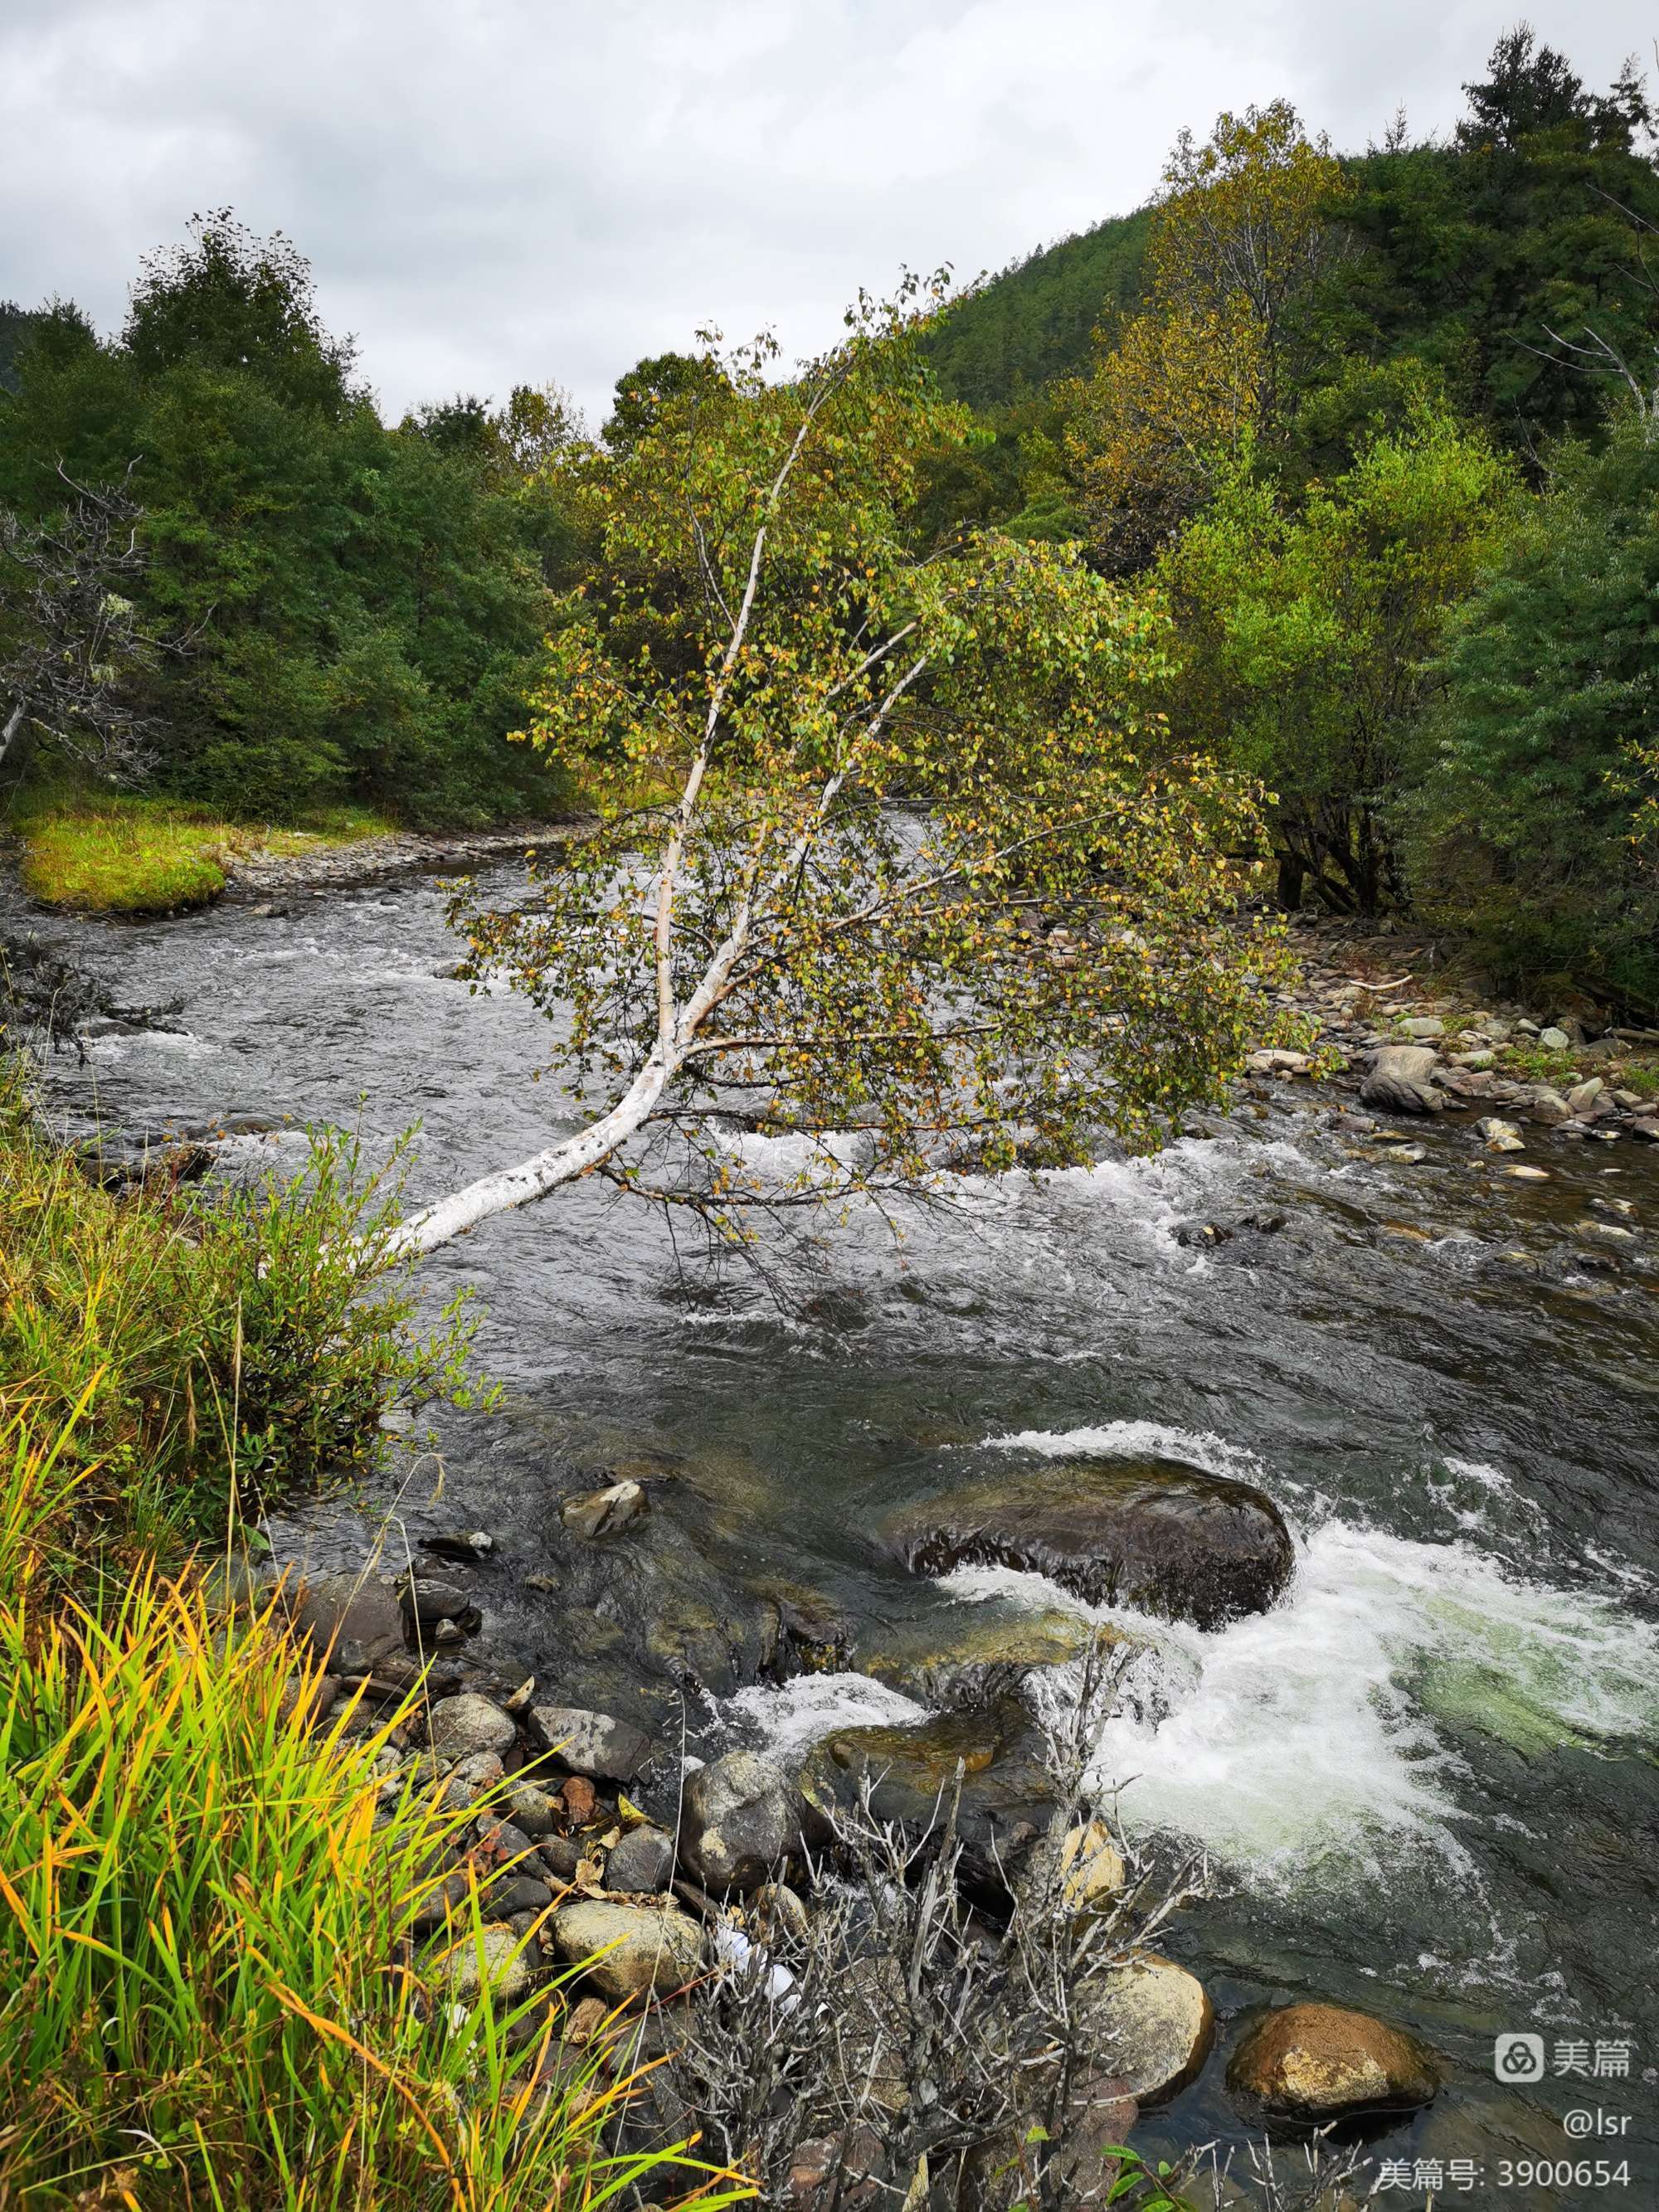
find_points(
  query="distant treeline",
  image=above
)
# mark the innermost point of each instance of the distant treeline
(1376, 435)
(343, 611)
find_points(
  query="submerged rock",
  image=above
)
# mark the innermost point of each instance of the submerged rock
(1308, 2065)
(1149, 1533)
(604, 1512)
(1008, 1791)
(463, 1547)
(971, 1654)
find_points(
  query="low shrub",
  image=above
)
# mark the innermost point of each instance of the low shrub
(223, 1346)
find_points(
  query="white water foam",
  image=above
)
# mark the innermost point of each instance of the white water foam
(1320, 1738)
(1470, 1493)
(791, 1717)
(1200, 1447)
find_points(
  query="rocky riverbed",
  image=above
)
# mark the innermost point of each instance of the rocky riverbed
(267, 879)
(1339, 1429)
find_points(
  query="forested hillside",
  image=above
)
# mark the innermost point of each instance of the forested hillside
(1034, 323)
(1331, 419)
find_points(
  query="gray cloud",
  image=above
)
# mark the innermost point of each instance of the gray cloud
(494, 191)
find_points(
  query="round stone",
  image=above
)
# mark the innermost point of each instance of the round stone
(1307, 2065)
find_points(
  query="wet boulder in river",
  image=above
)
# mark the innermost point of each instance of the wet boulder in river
(1399, 1080)
(353, 1619)
(1149, 1533)
(740, 1820)
(597, 1745)
(1007, 1795)
(963, 1654)
(604, 1512)
(427, 1602)
(1306, 2066)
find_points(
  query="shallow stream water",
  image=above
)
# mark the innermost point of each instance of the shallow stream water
(1427, 1781)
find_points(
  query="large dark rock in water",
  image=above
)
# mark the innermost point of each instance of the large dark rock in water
(1007, 1797)
(742, 1822)
(1151, 1533)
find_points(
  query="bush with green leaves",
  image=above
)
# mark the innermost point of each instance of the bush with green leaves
(1542, 761)
(1302, 632)
(222, 1347)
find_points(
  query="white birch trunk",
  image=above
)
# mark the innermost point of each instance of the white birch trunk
(14, 723)
(506, 1188)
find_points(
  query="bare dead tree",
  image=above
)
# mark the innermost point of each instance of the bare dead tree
(1596, 356)
(72, 638)
(901, 2050)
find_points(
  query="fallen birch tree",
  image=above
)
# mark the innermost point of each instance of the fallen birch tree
(891, 857)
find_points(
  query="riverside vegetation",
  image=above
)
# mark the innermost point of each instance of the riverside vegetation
(944, 770)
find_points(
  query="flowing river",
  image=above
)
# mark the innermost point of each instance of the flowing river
(1427, 1781)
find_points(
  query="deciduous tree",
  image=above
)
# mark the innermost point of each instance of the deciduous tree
(1304, 632)
(1241, 241)
(906, 886)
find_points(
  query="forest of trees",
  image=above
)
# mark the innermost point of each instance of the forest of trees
(339, 609)
(1371, 437)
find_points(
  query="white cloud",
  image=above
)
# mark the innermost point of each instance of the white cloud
(499, 190)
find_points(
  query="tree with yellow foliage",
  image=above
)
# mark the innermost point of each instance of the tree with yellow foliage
(1244, 235)
(915, 885)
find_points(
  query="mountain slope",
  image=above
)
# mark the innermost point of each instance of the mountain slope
(1031, 324)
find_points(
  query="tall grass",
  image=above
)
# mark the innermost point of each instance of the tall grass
(221, 1350)
(210, 1992)
(207, 1992)
(111, 853)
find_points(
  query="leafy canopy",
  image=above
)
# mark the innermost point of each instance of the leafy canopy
(879, 780)
(1303, 629)
(1242, 240)
(1533, 826)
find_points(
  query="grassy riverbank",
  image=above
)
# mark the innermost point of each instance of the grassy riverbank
(207, 1997)
(116, 853)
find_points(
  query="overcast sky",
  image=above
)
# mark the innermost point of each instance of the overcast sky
(495, 191)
